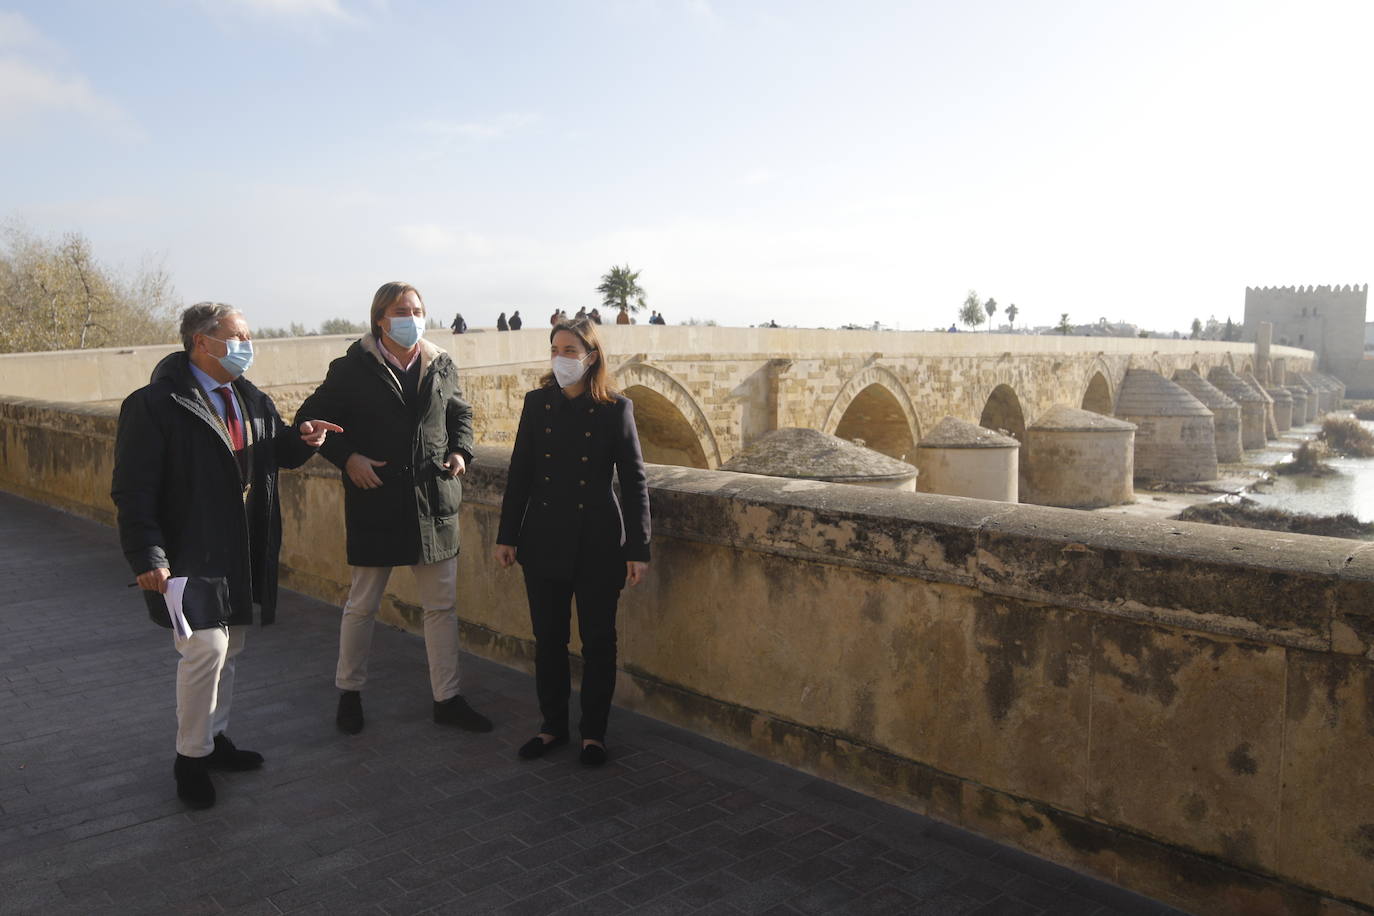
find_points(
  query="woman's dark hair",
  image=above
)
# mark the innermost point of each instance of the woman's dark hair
(597, 375)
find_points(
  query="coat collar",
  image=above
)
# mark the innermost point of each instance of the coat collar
(428, 352)
(175, 369)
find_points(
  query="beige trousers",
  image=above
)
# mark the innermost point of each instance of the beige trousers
(205, 686)
(437, 584)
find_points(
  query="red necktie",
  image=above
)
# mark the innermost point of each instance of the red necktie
(231, 418)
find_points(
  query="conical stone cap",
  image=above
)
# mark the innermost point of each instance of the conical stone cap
(1064, 418)
(951, 432)
(1148, 394)
(1233, 386)
(1280, 395)
(1210, 395)
(813, 455)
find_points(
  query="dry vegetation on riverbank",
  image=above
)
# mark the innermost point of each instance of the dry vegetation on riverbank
(1345, 436)
(1246, 513)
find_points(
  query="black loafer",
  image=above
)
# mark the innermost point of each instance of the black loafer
(349, 718)
(227, 757)
(193, 782)
(537, 747)
(593, 755)
(456, 711)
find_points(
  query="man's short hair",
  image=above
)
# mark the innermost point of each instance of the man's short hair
(203, 318)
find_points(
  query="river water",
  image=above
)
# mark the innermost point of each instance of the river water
(1351, 489)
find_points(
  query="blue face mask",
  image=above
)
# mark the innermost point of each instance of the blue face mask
(406, 330)
(238, 358)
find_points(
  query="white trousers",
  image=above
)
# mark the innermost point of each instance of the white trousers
(437, 584)
(205, 686)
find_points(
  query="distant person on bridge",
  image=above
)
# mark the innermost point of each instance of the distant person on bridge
(501, 324)
(408, 439)
(459, 326)
(561, 520)
(553, 319)
(595, 316)
(195, 492)
(516, 322)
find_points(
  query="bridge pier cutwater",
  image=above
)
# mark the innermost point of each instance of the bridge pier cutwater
(1184, 710)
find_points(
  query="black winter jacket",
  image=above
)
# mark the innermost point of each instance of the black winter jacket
(413, 517)
(178, 492)
(560, 510)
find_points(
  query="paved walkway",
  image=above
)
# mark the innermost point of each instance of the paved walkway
(407, 817)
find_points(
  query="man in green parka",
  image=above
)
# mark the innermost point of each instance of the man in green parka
(408, 440)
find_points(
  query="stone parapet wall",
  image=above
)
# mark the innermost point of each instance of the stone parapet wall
(1185, 710)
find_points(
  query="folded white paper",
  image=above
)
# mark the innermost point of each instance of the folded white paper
(175, 588)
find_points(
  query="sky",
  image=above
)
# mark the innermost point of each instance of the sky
(812, 163)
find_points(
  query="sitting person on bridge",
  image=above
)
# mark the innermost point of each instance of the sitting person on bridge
(195, 483)
(560, 519)
(408, 440)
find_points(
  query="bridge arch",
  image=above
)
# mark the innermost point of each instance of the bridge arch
(1097, 396)
(873, 406)
(673, 429)
(1002, 410)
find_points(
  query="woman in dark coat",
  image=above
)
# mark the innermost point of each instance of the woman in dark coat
(408, 439)
(560, 519)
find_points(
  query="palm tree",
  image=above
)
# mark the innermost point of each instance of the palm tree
(1064, 326)
(991, 307)
(620, 289)
(1011, 314)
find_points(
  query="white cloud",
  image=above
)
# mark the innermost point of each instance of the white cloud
(33, 81)
(18, 32)
(758, 177)
(490, 129)
(291, 9)
(703, 9)
(434, 239)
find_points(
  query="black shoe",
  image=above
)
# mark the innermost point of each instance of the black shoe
(227, 757)
(349, 718)
(593, 755)
(537, 747)
(456, 711)
(193, 782)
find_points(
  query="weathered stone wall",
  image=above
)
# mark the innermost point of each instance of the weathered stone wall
(1174, 448)
(1078, 469)
(1327, 319)
(1184, 710)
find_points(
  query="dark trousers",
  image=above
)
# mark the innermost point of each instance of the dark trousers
(551, 615)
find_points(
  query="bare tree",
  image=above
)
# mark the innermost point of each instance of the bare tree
(55, 295)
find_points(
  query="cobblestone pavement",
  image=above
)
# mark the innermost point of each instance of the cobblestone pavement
(408, 817)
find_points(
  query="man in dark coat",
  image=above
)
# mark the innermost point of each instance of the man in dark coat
(516, 322)
(408, 439)
(195, 488)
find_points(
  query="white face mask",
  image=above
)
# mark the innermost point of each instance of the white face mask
(568, 371)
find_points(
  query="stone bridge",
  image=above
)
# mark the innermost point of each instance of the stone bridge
(1183, 709)
(703, 393)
